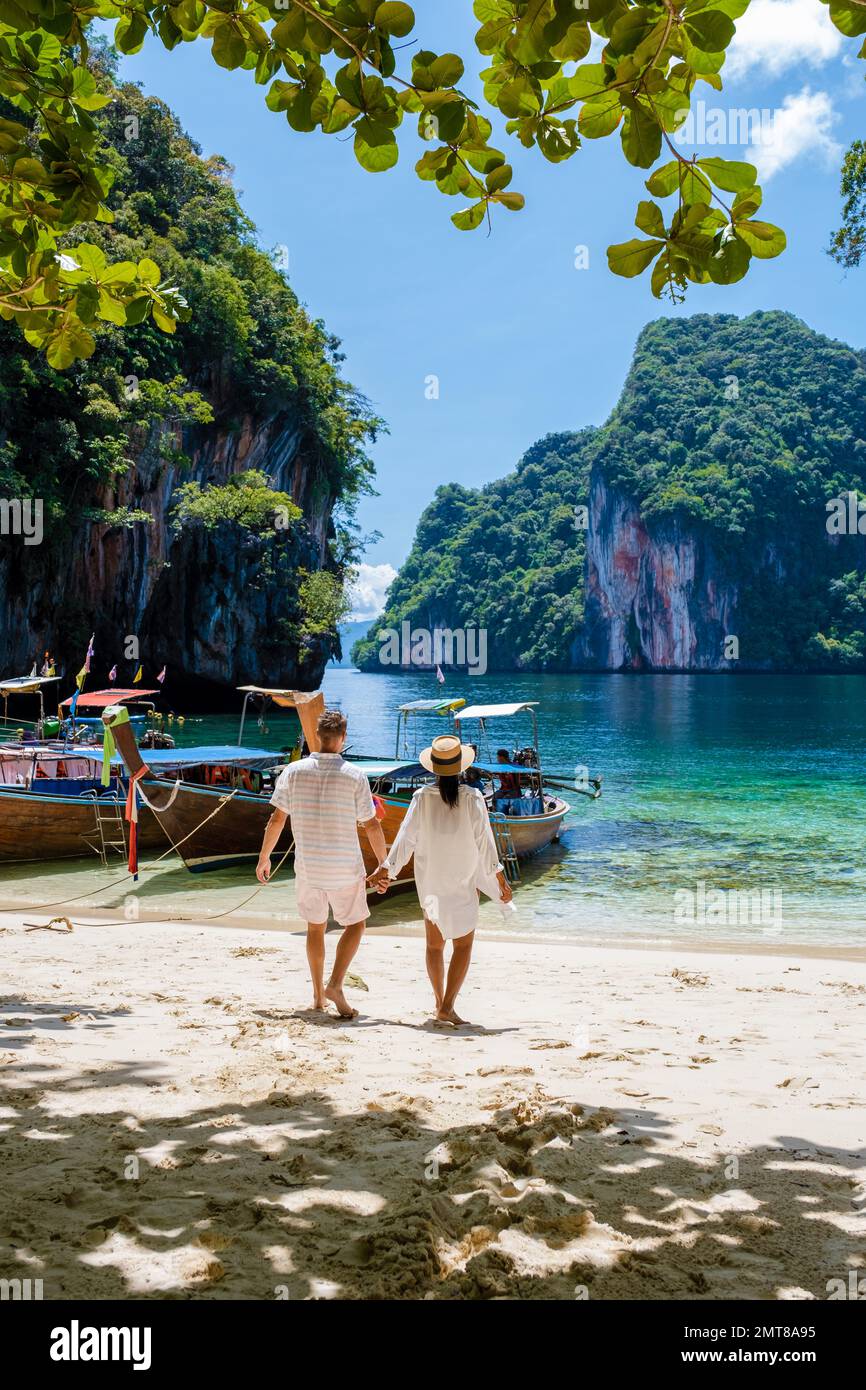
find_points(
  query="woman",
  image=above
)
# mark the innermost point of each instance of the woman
(447, 828)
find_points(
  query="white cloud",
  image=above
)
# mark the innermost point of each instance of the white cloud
(368, 591)
(801, 126)
(775, 35)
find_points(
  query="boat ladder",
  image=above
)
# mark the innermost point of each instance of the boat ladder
(505, 846)
(110, 827)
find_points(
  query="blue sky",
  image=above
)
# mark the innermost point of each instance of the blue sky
(523, 343)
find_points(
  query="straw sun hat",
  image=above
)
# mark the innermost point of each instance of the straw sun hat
(447, 756)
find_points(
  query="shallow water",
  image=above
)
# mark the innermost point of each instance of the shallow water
(714, 788)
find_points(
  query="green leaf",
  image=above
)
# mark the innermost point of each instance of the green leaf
(378, 157)
(730, 263)
(111, 309)
(395, 18)
(589, 81)
(499, 178)
(641, 137)
(629, 258)
(229, 46)
(148, 272)
(129, 33)
(67, 344)
(600, 116)
(711, 31)
(664, 181)
(850, 19)
(515, 202)
(730, 174)
(137, 309)
(763, 239)
(649, 219)
(470, 218)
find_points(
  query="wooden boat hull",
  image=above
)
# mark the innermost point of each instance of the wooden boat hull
(42, 826)
(529, 834)
(214, 828)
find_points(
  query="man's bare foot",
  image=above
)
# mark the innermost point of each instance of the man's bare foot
(449, 1016)
(344, 1008)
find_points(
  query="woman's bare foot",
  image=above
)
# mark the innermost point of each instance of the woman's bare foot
(449, 1016)
(320, 1005)
(344, 1008)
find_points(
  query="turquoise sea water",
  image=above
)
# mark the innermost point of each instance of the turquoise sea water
(714, 788)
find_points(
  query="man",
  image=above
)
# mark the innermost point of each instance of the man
(327, 799)
(509, 782)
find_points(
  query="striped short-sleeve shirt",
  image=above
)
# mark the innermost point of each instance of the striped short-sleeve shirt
(326, 798)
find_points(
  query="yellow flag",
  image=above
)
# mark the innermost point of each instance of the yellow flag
(137, 677)
(79, 679)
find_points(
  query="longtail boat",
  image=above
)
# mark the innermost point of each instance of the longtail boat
(213, 823)
(42, 727)
(54, 805)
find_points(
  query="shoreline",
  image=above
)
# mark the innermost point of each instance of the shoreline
(240, 922)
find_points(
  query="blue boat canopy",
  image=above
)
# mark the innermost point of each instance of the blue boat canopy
(218, 755)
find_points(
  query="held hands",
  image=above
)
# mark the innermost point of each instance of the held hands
(505, 892)
(379, 879)
(263, 870)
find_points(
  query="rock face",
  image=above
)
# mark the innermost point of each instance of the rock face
(657, 596)
(198, 601)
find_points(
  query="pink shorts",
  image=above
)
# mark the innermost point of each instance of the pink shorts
(349, 905)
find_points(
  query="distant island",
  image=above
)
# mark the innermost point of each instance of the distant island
(716, 522)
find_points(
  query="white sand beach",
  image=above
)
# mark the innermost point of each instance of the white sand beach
(618, 1123)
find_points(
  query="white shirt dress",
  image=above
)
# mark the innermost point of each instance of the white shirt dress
(455, 857)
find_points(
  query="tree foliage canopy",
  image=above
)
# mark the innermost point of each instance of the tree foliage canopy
(332, 66)
(249, 352)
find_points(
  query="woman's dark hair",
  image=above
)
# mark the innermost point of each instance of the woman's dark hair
(449, 790)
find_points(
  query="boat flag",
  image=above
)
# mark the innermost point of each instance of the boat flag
(87, 659)
(136, 680)
(33, 672)
(161, 676)
(439, 676)
(79, 679)
(48, 666)
(112, 675)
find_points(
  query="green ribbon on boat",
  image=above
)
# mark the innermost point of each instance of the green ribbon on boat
(108, 751)
(111, 717)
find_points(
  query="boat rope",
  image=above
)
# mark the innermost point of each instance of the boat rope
(61, 902)
(237, 907)
(168, 805)
(223, 801)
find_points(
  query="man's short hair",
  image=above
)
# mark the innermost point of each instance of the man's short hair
(332, 724)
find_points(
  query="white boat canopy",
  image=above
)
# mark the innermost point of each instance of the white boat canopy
(494, 711)
(25, 685)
